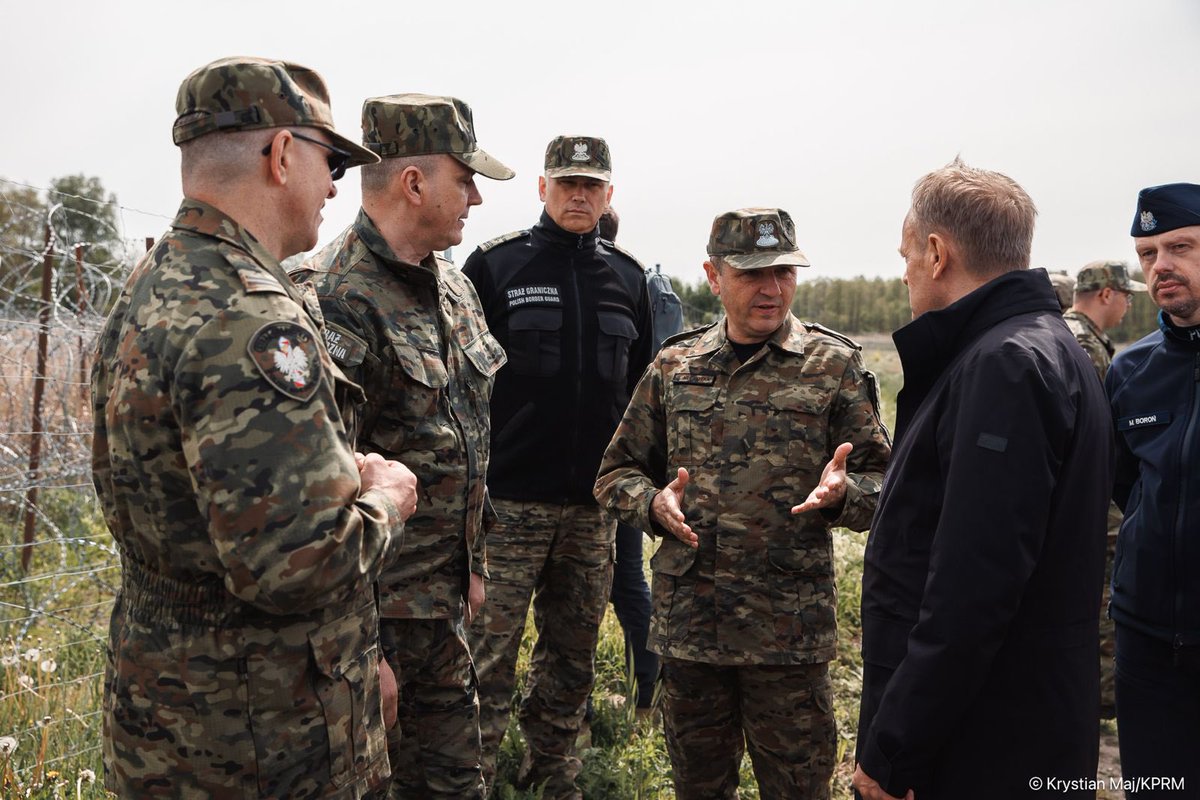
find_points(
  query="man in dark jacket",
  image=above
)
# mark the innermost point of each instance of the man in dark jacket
(573, 314)
(1154, 387)
(982, 578)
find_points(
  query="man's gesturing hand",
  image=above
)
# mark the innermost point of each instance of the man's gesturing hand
(831, 491)
(667, 510)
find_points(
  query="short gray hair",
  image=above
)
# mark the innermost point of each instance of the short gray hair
(376, 177)
(223, 156)
(986, 213)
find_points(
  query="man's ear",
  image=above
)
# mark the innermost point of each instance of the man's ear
(279, 156)
(938, 251)
(542, 188)
(714, 277)
(411, 184)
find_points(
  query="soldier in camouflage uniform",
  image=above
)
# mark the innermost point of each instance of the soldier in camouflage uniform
(243, 655)
(1103, 292)
(406, 325)
(730, 426)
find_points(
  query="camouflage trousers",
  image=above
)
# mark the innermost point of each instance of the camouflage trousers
(562, 557)
(1108, 638)
(282, 708)
(783, 714)
(437, 751)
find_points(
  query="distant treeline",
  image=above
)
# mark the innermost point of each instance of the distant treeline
(872, 305)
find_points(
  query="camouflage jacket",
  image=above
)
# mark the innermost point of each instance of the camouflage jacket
(754, 438)
(1094, 341)
(249, 555)
(414, 337)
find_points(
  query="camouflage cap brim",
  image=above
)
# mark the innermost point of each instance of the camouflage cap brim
(486, 165)
(767, 258)
(359, 155)
(572, 171)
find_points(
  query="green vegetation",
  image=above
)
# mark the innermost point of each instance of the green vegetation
(862, 306)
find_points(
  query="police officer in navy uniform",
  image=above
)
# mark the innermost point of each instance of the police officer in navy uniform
(572, 312)
(1154, 388)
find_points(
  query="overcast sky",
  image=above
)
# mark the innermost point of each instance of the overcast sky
(829, 109)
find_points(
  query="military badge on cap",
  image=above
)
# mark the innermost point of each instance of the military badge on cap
(286, 355)
(578, 155)
(753, 238)
(1165, 208)
(766, 235)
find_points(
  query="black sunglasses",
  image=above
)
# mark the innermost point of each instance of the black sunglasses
(338, 159)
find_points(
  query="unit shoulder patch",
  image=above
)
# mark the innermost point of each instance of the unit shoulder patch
(286, 355)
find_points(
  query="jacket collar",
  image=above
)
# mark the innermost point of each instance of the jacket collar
(931, 341)
(788, 337)
(1188, 337)
(199, 217)
(548, 231)
(373, 240)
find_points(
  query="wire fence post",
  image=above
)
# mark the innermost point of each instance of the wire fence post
(81, 307)
(39, 390)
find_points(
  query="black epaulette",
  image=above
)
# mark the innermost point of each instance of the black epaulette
(830, 332)
(611, 245)
(499, 240)
(682, 335)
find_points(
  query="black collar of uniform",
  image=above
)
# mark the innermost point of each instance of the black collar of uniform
(931, 341)
(547, 230)
(1188, 337)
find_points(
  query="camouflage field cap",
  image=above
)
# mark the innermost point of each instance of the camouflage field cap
(1103, 274)
(244, 93)
(1064, 288)
(753, 238)
(421, 124)
(578, 155)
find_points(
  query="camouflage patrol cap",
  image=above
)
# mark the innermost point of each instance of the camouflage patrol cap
(244, 93)
(753, 238)
(578, 155)
(1103, 274)
(413, 124)
(1064, 288)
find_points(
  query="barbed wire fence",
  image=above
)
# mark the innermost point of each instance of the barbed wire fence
(58, 567)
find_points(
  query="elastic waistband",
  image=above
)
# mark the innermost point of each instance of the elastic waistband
(152, 598)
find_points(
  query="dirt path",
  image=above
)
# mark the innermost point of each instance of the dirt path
(1110, 765)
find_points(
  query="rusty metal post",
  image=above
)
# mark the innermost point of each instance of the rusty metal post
(39, 391)
(82, 309)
